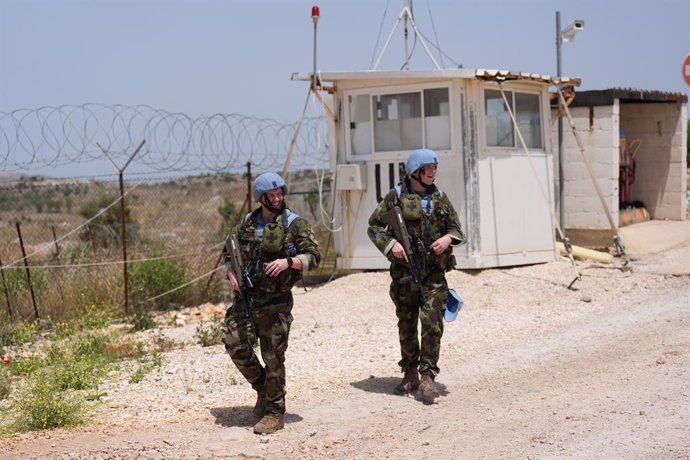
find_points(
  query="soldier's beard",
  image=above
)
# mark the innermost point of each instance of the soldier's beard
(276, 210)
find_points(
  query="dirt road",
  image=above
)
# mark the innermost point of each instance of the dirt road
(529, 369)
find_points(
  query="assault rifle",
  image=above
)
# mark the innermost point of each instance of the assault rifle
(244, 301)
(394, 220)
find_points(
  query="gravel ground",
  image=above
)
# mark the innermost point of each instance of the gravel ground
(530, 369)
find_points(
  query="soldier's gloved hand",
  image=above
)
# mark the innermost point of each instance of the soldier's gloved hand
(441, 244)
(399, 252)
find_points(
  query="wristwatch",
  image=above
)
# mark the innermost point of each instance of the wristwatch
(289, 259)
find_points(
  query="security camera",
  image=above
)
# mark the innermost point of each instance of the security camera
(568, 34)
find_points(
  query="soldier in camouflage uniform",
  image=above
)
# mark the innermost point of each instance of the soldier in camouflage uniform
(276, 247)
(433, 226)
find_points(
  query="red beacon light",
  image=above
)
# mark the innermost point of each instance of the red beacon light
(315, 13)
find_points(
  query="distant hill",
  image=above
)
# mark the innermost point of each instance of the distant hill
(9, 176)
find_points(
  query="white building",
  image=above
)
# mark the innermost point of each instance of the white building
(502, 192)
(495, 139)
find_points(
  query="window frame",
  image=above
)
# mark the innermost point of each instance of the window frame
(517, 145)
(388, 91)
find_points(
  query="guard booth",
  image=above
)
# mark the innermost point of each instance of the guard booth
(503, 193)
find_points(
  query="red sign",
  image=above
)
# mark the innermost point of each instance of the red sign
(686, 70)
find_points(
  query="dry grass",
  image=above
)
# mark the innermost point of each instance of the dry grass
(174, 218)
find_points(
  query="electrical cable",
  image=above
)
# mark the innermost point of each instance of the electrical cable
(378, 38)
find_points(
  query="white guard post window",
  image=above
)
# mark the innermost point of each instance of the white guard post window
(499, 126)
(401, 121)
(360, 124)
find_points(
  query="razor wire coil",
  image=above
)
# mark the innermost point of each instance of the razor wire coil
(175, 142)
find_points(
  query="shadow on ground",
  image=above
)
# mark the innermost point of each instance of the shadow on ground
(243, 416)
(385, 385)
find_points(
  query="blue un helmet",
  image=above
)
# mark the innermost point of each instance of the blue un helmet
(268, 181)
(419, 158)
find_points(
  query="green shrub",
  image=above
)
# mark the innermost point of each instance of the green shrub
(145, 367)
(91, 317)
(105, 230)
(88, 345)
(229, 215)
(5, 380)
(142, 320)
(64, 329)
(41, 405)
(151, 278)
(78, 374)
(139, 374)
(211, 335)
(18, 333)
(25, 365)
(54, 386)
(161, 343)
(18, 283)
(93, 348)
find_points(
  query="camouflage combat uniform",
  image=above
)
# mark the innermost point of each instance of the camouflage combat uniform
(272, 304)
(439, 219)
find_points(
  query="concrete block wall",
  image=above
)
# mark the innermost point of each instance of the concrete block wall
(583, 208)
(661, 164)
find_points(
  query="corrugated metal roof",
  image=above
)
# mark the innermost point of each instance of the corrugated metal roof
(504, 75)
(483, 74)
(625, 95)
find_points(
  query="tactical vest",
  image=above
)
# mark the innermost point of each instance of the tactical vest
(420, 213)
(269, 241)
(412, 205)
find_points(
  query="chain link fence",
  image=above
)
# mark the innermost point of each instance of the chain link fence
(64, 246)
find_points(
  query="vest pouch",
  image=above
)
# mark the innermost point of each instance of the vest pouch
(281, 283)
(273, 236)
(411, 207)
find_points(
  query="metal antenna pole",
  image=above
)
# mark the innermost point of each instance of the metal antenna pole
(561, 181)
(406, 13)
(315, 18)
(406, 64)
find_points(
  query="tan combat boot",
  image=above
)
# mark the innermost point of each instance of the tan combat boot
(269, 424)
(409, 383)
(427, 386)
(260, 406)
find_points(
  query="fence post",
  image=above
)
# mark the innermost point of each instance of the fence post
(7, 291)
(123, 232)
(57, 258)
(28, 272)
(57, 247)
(123, 239)
(249, 186)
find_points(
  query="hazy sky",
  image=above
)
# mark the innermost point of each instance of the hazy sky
(203, 57)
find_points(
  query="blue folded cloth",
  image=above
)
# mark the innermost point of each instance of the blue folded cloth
(453, 305)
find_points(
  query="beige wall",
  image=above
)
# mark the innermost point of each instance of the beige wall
(661, 168)
(583, 208)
